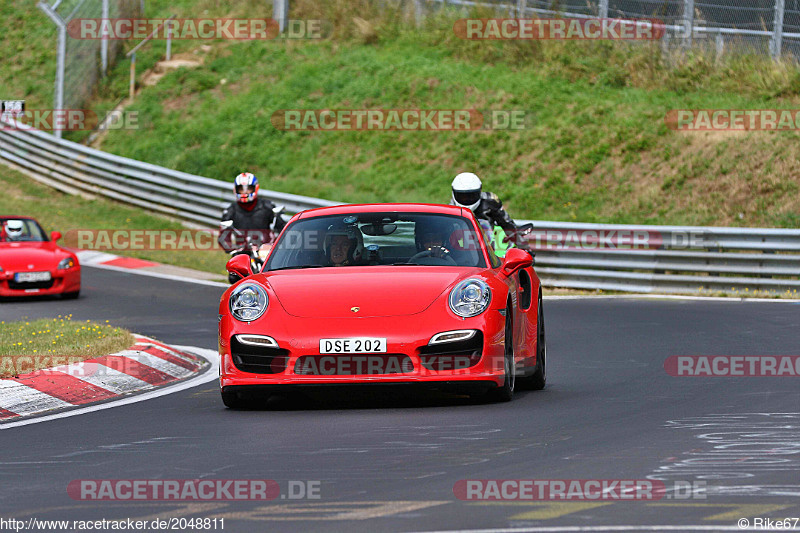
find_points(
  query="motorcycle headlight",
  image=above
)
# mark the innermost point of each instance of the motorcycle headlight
(471, 297)
(66, 263)
(248, 302)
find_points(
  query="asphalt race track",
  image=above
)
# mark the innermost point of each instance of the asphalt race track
(388, 461)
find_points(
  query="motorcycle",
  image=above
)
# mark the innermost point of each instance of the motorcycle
(255, 243)
(501, 242)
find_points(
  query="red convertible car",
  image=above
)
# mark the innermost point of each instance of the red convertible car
(31, 263)
(382, 294)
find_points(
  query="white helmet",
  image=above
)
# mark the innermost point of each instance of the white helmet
(467, 191)
(14, 228)
(351, 231)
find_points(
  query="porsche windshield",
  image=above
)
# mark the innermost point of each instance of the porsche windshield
(21, 230)
(361, 239)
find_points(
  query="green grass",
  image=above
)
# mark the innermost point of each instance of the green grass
(597, 148)
(63, 212)
(29, 54)
(29, 345)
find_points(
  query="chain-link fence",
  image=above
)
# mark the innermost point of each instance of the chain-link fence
(763, 26)
(81, 62)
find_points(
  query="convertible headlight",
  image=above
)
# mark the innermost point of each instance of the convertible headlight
(471, 297)
(248, 302)
(66, 263)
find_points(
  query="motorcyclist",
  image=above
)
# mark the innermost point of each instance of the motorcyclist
(250, 213)
(467, 193)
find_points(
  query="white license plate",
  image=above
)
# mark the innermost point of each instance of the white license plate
(22, 277)
(353, 345)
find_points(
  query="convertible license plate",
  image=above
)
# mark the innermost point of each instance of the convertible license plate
(22, 277)
(353, 345)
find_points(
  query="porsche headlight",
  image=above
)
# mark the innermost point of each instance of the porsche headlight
(471, 297)
(66, 263)
(248, 302)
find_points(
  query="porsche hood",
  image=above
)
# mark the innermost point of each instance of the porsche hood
(348, 292)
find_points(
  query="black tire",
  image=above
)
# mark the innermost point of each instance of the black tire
(71, 295)
(505, 392)
(233, 278)
(538, 379)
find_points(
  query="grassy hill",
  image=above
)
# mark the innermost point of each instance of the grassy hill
(597, 148)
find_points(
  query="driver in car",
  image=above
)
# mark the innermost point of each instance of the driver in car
(342, 246)
(432, 240)
(14, 230)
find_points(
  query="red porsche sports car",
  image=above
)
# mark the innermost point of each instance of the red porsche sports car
(382, 294)
(31, 263)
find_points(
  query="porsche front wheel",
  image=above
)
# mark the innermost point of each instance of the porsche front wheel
(505, 392)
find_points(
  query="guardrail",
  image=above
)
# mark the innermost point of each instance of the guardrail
(568, 254)
(686, 259)
(74, 168)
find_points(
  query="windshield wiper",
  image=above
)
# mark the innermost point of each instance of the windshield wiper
(294, 267)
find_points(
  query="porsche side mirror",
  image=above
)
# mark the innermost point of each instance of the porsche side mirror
(55, 236)
(516, 259)
(239, 265)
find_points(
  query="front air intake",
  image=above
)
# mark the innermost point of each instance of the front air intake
(255, 359)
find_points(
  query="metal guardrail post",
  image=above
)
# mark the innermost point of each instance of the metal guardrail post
(603, 12)
(521, 6)
(688, 22)
(132, 53)
(280, 12)
(104, 43)
(418, 12)
(132, 85)
(58, 100)
(776, 42)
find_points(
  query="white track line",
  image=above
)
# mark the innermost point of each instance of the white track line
(141, 272)
(209, 375)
